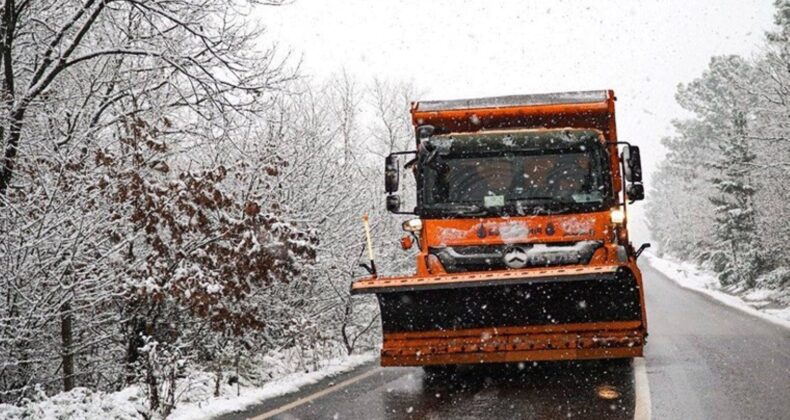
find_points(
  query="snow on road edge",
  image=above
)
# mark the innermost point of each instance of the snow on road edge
(276, 388)
(691, 276)
(128, 403)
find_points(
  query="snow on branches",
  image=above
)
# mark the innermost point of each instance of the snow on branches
(720, 196)
(201, 244)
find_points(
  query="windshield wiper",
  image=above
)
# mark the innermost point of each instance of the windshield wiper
(462, 209)
(538, 198)
(548, 205)
(471, 210)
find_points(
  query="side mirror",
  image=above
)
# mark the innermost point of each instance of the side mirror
(391, 175)
(393, 203)
(635, 192)
(633, 164)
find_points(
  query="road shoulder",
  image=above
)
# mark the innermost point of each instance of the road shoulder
(693, 278)
(277, 392)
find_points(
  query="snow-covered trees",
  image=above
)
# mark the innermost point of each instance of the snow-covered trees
(332, 136)
(171, 195)
(102, 103)
(720, 195)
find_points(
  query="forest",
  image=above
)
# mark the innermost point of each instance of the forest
(720, 197)
(173, 196)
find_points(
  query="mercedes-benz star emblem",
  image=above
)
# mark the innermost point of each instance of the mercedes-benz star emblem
(515, 257)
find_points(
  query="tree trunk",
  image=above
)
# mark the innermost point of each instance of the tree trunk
(134, 341)
(67, 338)
(11, 147)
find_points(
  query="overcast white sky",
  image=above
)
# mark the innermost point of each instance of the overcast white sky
(463, 49)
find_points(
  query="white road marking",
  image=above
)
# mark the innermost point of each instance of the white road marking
(318, 394)
(642, 389)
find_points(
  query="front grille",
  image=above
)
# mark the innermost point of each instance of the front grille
(459, 259)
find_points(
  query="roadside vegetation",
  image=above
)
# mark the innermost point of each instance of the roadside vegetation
(721, 196)
(176, 199)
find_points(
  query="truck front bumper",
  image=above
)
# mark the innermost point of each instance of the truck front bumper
(589, 312)
(495, 345)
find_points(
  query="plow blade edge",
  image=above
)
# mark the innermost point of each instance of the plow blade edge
(591, 312)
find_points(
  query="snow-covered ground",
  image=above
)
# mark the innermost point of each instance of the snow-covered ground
(761, 302)
(230, 401)
(196, 399)
(79, 403)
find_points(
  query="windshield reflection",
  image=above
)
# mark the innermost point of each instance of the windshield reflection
(506, 177)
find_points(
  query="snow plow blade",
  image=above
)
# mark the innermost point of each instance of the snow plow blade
(509, 316)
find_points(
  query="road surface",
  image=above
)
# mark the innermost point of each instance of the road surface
(703, 360)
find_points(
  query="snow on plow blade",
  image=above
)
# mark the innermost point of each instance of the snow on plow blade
(515, 315)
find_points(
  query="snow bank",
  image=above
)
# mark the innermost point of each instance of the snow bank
(80, 403)
(206, 406)
(195, 396)
(759, 302)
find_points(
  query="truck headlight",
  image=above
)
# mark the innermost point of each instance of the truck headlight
(618, 216)
(413, 225)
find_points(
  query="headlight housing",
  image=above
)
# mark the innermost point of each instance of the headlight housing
(618, 216)
(412, 225)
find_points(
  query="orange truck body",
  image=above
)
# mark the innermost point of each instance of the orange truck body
(590, 309)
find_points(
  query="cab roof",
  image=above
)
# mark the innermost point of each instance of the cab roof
(585, 109)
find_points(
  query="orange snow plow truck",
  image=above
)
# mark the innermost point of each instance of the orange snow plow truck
(521, 227)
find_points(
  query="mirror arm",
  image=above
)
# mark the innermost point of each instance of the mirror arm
(408, 152)
(641, 248)
(411, 213)
(619, 143)
(624, 181)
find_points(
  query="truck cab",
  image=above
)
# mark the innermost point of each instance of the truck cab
(521, 225)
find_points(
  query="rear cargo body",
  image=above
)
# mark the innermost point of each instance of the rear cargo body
(500, 278)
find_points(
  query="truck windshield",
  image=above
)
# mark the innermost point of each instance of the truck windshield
(516, 174)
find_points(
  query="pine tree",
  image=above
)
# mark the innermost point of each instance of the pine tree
(781, 37)
(737, 254)
(724, 105)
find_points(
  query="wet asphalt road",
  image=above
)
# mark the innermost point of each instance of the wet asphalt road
(704, 361)
(709, 361)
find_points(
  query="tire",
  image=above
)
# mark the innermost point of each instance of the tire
(619, 363)
(438, 371)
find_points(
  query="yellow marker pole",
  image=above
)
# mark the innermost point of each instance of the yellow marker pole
(370, 245)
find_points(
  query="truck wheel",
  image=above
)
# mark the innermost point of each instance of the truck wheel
(621, 363)
(438, 371)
